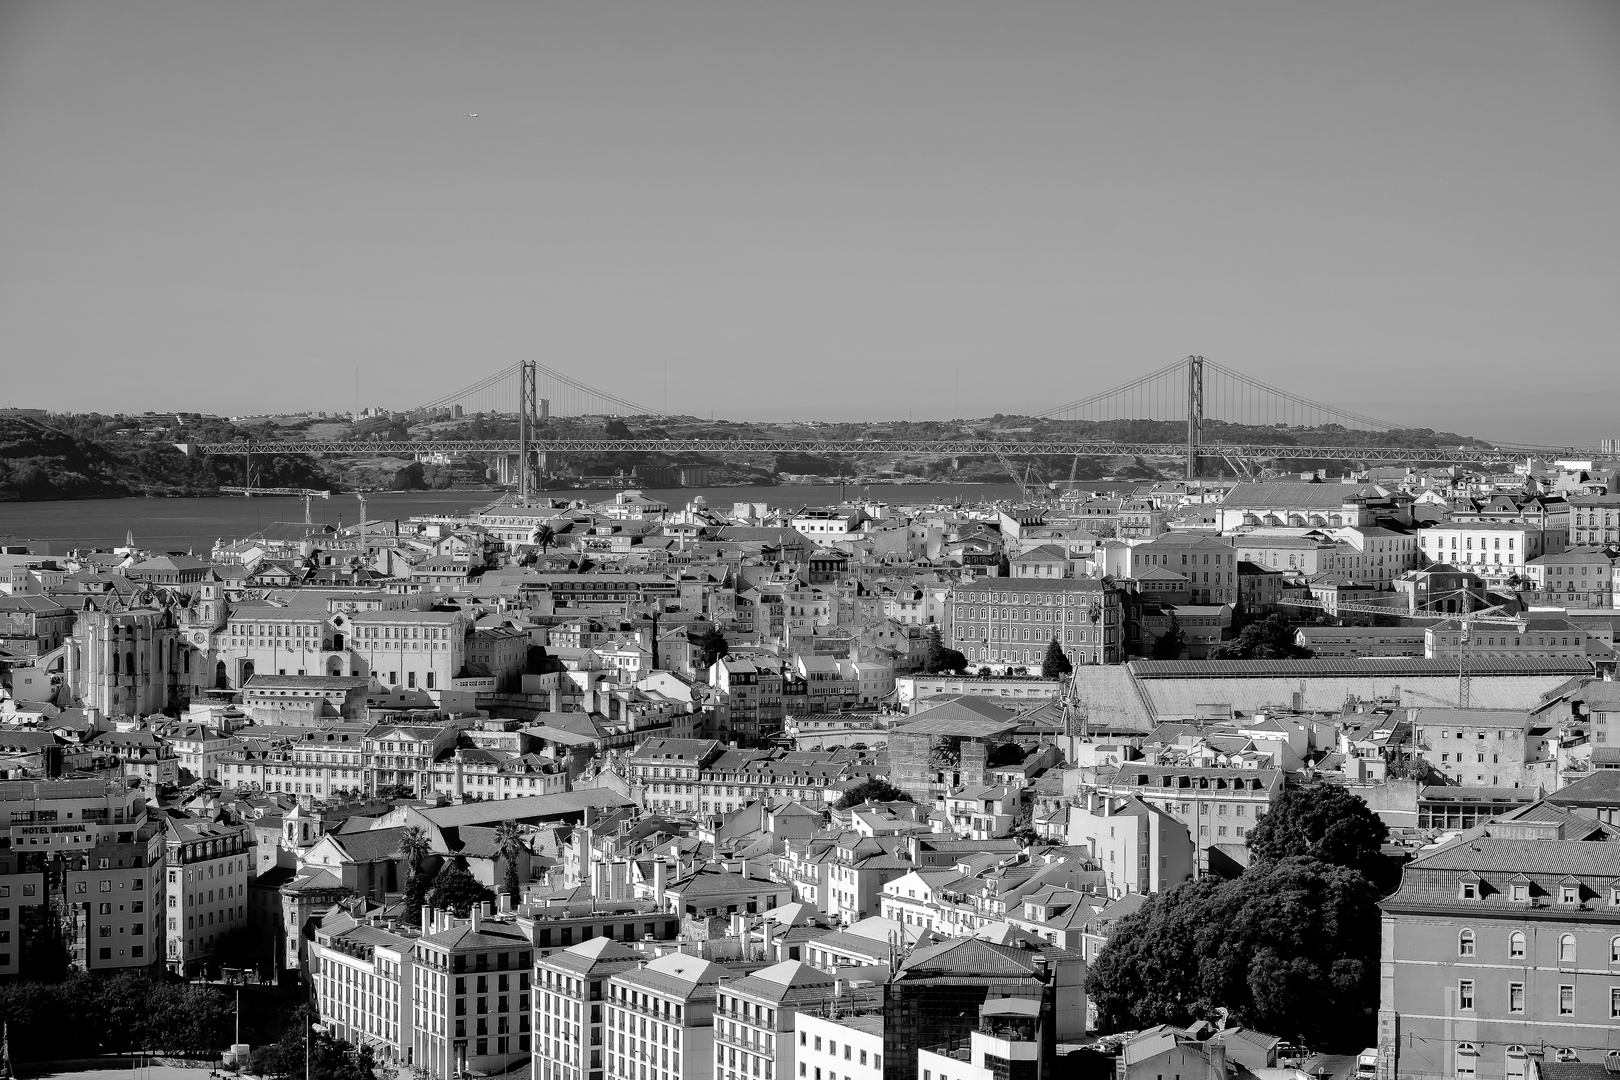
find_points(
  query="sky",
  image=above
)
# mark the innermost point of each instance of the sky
(829, 210)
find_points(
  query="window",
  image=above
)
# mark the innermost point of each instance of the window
(1566, 949)
(1465, 943)
(1469, 890)
(1520, 893)
(1569, 894)
(1614, 1002)
(1566, 1001)
(1614, 950)
(1465, 1060)
(1515, 997)
(1465, 994)
(1516, 945)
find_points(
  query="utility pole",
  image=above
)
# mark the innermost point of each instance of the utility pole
(1195, 413)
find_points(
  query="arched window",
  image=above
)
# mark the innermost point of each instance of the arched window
(1466, 1055)
(1516, 945)
(1465, 943)
(129, 663)
(115, 664)
(1566, 949)
(1614, 950)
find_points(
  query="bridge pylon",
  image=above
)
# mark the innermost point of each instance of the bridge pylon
(1195, 413)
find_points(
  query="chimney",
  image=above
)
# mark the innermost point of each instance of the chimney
(1217, 1059)
(485, 907)
(477, 914)
(767, 927)
(507, 901)
(659, 882)
(427, 919)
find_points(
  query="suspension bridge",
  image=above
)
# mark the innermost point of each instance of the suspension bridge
(1190, 410)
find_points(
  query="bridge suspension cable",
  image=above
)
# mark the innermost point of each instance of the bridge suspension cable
(1167, 394)
(553, 394)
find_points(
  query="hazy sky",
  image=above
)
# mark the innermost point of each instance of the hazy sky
(814, 209)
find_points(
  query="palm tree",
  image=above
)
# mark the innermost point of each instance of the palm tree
(415, 847)
(545, 536)
(509, 839)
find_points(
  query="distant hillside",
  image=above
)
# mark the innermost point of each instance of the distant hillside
(39, 462)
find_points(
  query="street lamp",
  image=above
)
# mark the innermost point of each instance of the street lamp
(309, 1029)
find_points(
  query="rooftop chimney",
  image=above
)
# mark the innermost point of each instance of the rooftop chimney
(427, 919)
(659, 882)
(477, 917)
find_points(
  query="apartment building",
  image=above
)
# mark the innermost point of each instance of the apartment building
(1218, 806)
(1501, 951)
(570, 1002)
(846, 1047)
(755, 1016)
(748, 698)
(739, 777)
(1141, 848)
(661, 1020)
(1577, 577)
(402, 755)
(363, 977)
(470, 995)
(1001, 623)
(106, 908)
(1495, 551)
(205, 883)
(1480, 747)
(667, 771)
(1595, 520)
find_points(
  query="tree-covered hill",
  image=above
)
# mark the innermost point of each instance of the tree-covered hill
(45, 460)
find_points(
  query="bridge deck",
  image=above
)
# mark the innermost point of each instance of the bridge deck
(941, 448)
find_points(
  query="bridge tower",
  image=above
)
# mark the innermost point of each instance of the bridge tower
(1195, 413)
(527, 417)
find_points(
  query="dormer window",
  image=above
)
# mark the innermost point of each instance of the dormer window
(1569, 894)
(1521, 893)
(1469, 889)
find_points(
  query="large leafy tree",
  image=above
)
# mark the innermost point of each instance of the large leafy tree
(712, 646)
(456, 890)
(1170, 644)
(1271, 638)
(1055, 664)
(1322, 821)
(1289, 946)
(876, 789)
(939, 657)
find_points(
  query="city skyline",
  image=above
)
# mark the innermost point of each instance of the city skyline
(1402, 211)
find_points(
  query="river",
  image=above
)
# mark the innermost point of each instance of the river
(194, 524)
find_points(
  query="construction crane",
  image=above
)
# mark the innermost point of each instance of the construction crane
(1466, 620)
(1012, 474)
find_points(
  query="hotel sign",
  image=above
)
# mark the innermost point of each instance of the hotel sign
(42, 830)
